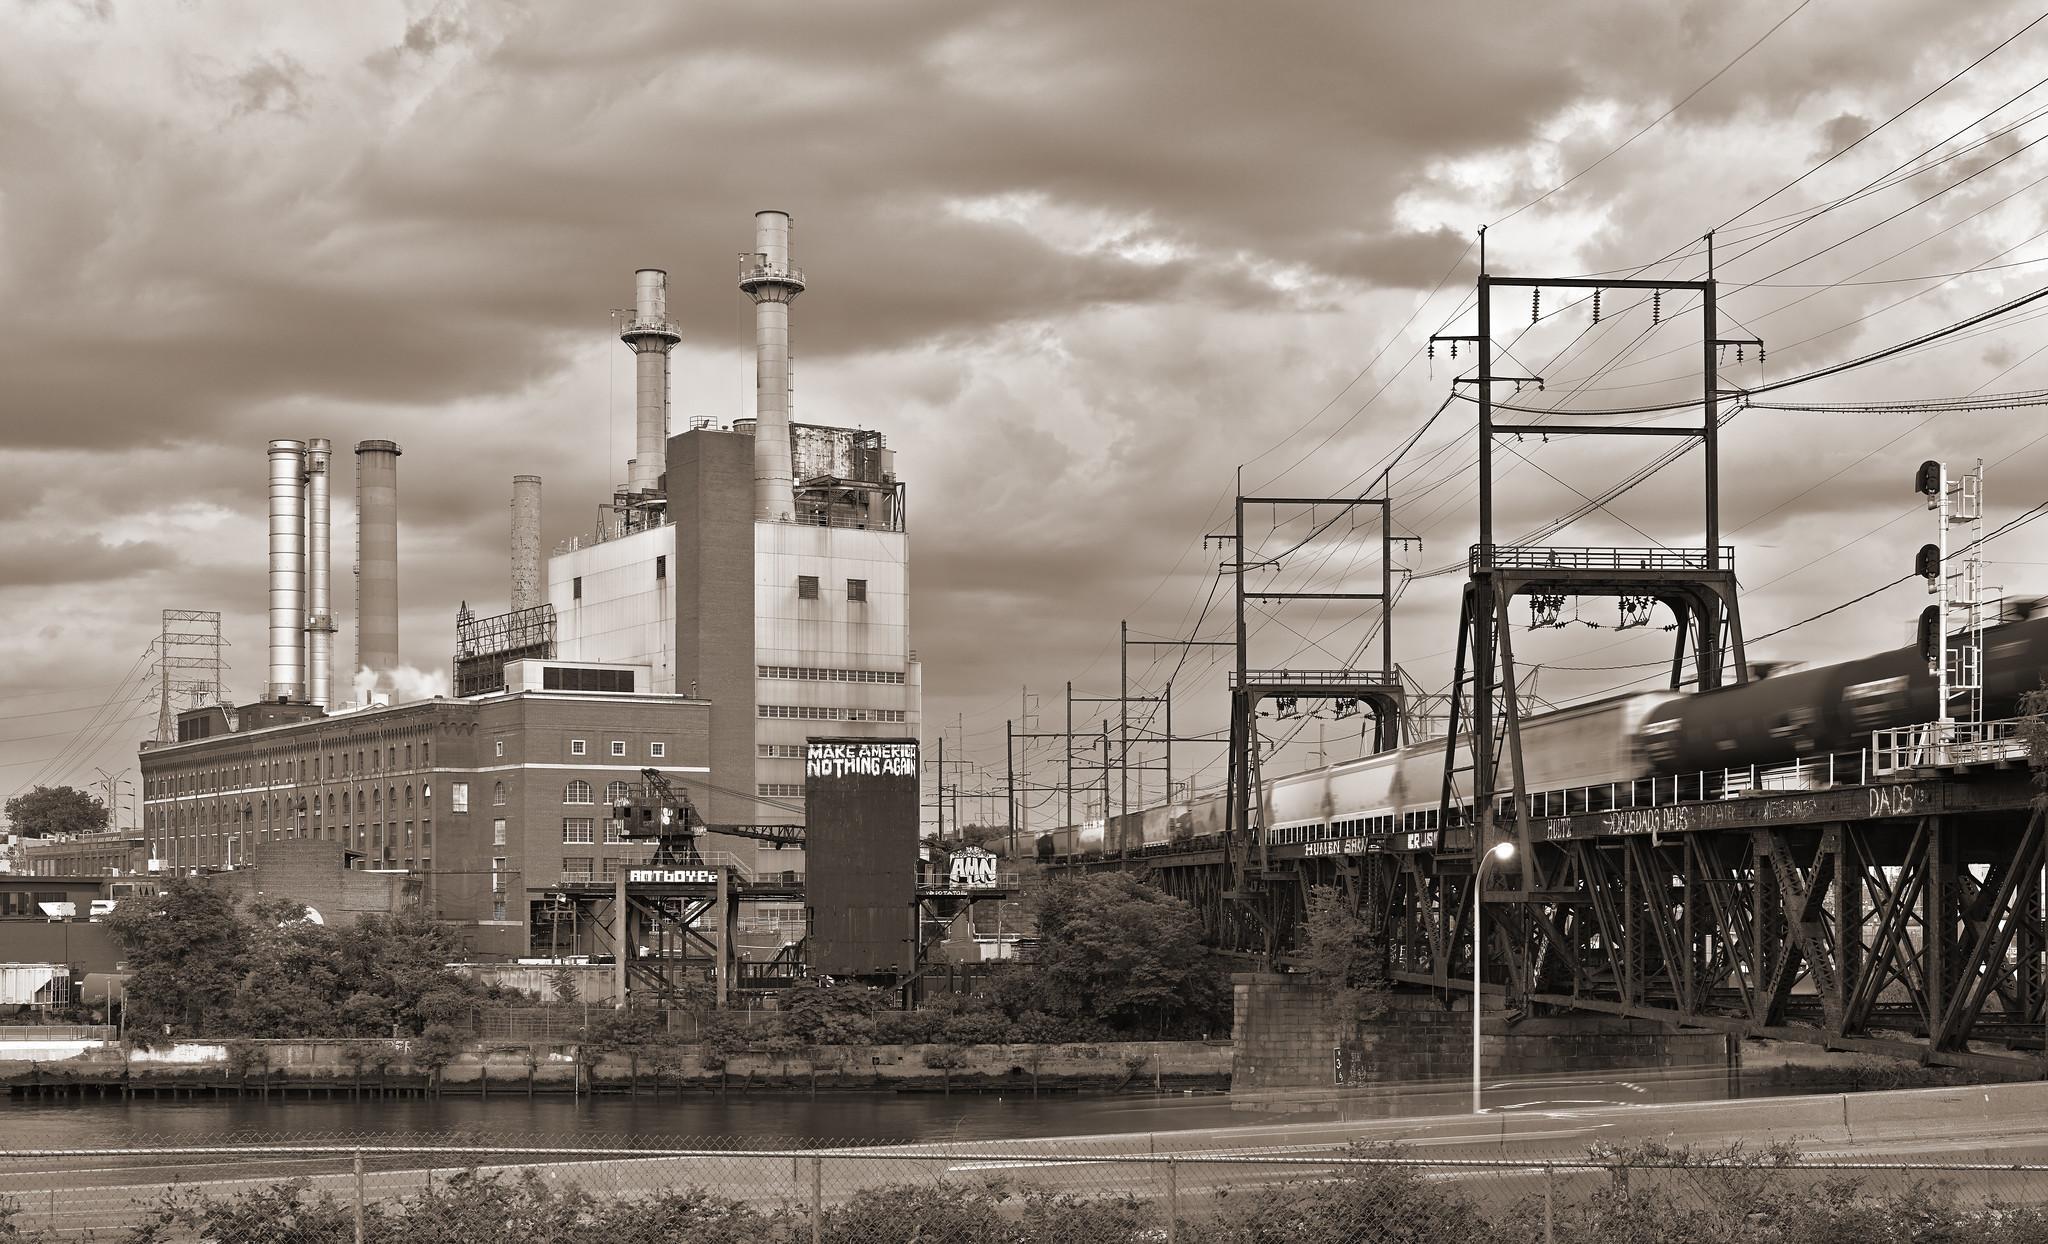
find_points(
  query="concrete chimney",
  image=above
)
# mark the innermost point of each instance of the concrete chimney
(526, 584)
(377, 560)
(773, 283)
(319, 574)
(650, 336)
(287, 571)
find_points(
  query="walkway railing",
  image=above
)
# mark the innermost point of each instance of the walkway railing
(1951, 744)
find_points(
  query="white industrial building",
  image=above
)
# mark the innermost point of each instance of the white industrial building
(763, 565)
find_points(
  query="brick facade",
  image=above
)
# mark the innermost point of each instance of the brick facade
(420, 788)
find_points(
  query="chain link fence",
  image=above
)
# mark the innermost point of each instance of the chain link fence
(612, 1190)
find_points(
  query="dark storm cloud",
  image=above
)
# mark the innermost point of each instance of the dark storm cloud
(1077, 260)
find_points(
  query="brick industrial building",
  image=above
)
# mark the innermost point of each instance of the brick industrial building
(480, 798)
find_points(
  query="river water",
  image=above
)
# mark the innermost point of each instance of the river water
(765, 1117)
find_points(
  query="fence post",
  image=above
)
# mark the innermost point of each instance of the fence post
(817, 1198)
(1549, 1180)
(1172, 1200)
(359, 1195)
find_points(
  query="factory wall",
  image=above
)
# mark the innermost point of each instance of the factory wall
(422, 789)
(711, 504)
(615, 602)
(833, 665)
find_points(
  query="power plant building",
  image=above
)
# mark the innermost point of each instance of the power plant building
(764, 568)
(746, 590)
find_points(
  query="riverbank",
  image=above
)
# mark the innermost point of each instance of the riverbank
(356, 1068)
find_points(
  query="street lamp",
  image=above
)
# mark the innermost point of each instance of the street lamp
(1503, 852)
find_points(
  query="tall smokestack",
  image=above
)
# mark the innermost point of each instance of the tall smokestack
(526, 588)
(287, 571)
(319, 574)
(651, 337)
(377, 560)
(773, 283)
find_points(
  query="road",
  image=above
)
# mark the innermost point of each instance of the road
(75, 1191)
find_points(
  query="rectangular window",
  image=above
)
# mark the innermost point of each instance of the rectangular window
(576, 867)
(661, 565)
(498, 832)
(657, 750)
(577, 830)
(498, 747)
(785, 790)
(614, 830)
(618, 747)
(577, 747)
(571, 678)
(807, 587)
(576, 588)
(857, 590)
(498, 875)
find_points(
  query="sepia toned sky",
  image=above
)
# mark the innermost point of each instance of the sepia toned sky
(1080, 262)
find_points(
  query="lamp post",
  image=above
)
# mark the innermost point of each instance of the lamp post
(1502, 851)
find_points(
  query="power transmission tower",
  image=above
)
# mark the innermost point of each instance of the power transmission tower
(188, 666)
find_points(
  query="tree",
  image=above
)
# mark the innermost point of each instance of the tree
(1124, 952)
(1342, 953)
(187, 951)
(48, 811)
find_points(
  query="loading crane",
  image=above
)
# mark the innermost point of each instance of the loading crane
(657, 810)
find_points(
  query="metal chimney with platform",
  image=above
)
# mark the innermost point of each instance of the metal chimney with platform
(773, 283)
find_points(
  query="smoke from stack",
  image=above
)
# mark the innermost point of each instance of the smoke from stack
(773, 283)
(526, 584)
(650, 337)
(319, 619)
(377, 561)
(287, 571)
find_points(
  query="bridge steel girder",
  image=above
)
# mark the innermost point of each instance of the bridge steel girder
(1921, 936)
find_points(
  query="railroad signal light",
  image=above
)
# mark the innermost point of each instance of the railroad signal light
(1928, 481)
(1930, 635)
(1927, 564)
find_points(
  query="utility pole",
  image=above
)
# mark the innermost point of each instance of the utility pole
(1070, 753)
(939, 795)
(1010, 784)
(1123, 712)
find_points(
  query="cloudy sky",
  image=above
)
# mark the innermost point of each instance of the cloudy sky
(1080, 262)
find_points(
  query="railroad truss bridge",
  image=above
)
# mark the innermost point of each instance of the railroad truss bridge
(1901, 916)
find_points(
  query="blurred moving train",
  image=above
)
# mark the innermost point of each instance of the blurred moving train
(1624, 751)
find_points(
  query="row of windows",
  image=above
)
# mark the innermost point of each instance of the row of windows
(277, 772)
(785, 789)
(807, 588)
(804, 712)
(331, 804)
(579, 791)
(581, 747)
(805, 673)
(780, 751)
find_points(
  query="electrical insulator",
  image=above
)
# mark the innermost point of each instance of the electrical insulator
(1432, 349)
(1535, 304)
(1596, 306)
(1656, 305)
(1927, 564)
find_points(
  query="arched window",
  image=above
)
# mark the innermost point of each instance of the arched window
(615, 792)
(344, 803)
(578, 792)
(376, 799)
(497, 794)
(408, 795)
